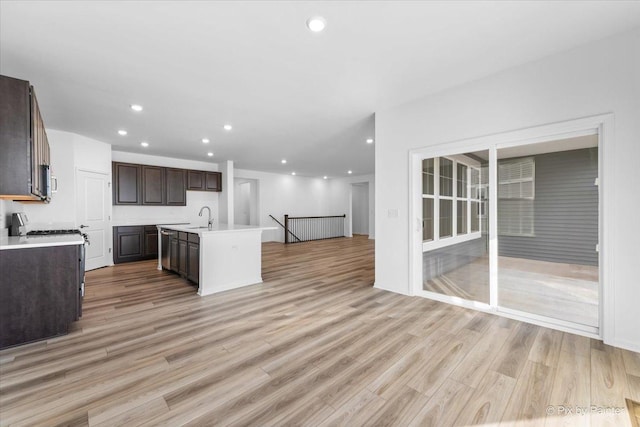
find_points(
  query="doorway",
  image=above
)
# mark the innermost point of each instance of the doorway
(93, 210)
(360, 208)
(245, 201)
(512, 224)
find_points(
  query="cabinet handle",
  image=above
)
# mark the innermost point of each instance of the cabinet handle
(166, 234)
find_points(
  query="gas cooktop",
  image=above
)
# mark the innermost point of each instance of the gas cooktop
(52, 232)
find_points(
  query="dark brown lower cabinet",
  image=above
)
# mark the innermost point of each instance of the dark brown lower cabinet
(182, 255)
(40, 293)
(184, 251)
(193, 259)
(134, 243)
(150, 241)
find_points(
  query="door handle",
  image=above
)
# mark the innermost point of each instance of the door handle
(84, 226)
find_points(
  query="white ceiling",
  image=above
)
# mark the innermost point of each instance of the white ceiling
(289, 93)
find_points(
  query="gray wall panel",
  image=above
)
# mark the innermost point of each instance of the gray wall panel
(565, 209)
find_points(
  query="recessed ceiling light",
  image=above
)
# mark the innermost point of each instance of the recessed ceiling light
(205, 140)
(349, 172)
(283, 161)
(228, 127)
(210, 154)
(293, 173)
(324, 177)
(370, 141)
(316, 24)
(136, 107)
(122, 132)
(144, 144)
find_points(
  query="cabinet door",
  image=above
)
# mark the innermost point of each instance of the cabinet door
(174, 255)
(150, 242)
(195, 180)
(153, 182)
(176, 187)
(15, 164)
(214, 181)
(126, 184)
(182, 257)
(128, 244)
(40, 154)
(193, 271)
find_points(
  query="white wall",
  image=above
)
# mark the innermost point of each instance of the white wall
(340, 195)
(360, 208)
(598, 78)
(69, 152)
(123, 215)
(293, 195)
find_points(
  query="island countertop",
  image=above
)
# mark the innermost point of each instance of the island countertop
(203, 230)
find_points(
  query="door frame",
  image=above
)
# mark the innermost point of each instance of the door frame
(603, 125)
(108, 206)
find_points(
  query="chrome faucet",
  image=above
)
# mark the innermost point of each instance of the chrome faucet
(210, 221)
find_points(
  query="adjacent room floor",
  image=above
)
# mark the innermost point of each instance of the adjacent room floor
(315, 344)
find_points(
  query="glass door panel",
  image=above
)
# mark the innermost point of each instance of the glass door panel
(548, 229)
(455, 234)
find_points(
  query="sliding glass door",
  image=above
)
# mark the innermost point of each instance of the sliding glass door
(513, 228)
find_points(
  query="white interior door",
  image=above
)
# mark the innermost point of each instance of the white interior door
(92, 216)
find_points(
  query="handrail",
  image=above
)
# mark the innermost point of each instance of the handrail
(317, 217)
(286, 230)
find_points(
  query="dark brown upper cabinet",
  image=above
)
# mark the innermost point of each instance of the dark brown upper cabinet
(176, 187)
(204, 181)
(213, 181)
(153, 185)
(159, 186)
(25, 159)
(196, 180)
(127, 180)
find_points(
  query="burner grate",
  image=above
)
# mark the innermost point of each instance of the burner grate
(52, 232)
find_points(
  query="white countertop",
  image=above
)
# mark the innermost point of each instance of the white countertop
(24, 242)
(201, 230)
(143, 221)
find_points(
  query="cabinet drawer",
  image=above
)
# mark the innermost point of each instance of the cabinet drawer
(193, 238)
(128, 229)
(182, 235)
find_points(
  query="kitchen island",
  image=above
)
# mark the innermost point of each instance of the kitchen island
(217, 259)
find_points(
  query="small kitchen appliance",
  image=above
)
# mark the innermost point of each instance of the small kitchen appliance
(19, 223)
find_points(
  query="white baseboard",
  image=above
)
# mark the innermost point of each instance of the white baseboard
(627, 345)
(382, 287)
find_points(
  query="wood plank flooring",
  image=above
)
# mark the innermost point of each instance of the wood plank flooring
(315, 345)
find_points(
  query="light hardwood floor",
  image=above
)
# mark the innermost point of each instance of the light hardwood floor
(314, 345)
